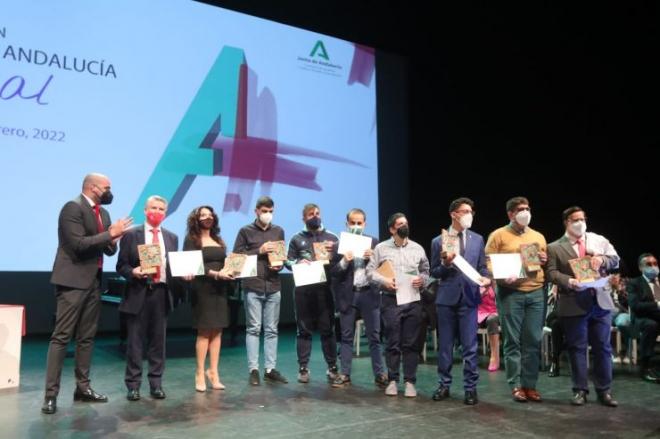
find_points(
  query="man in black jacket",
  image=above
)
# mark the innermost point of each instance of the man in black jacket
(355, 295)
(85, 235)
(644, 302)
(313, 303)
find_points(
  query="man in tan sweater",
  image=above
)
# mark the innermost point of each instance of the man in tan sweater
(521, 301)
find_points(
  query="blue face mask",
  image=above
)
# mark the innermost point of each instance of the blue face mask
(650, 272)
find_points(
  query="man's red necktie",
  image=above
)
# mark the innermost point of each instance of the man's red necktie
(582, 250)
(100, 228)
(156, 242)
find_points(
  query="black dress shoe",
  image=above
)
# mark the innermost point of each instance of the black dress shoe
(470, 397)
(580, 398)
(157, 393)
(133, 395)
(50, 405)
(554, 369)
(441, 393)
(89, 395)
(606, 399)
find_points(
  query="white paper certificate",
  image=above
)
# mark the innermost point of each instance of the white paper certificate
(249, 268)
(307, 274)
(185, 263)
(358, 244)
(405, 292)
(506, 265)
(467, 269)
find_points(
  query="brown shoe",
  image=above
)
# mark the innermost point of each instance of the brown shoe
(519, 395)
(532, 395)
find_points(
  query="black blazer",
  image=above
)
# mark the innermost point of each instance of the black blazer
(80, 244)
(640, 298)
(129, 258)
(341, 280)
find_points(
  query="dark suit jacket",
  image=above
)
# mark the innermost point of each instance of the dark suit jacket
(572, 303)
(80, 244)
(640, 299)
(452, 280)
(341, 280)
(129, 258)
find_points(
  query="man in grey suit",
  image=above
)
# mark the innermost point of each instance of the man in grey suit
(85, 233)
(585, 313)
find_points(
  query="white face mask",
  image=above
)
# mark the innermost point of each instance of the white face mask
(466, 221)
(265, 218)
(579, 228)
(357, 230)
(523, 217)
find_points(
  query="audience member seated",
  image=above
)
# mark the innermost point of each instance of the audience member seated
(487, 318)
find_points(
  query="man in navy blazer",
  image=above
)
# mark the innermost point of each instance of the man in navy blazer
(355, 295)
(457, 300)
(148, 299)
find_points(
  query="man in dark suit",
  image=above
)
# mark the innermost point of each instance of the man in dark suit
(457, 300)
(354, 294)
(644, 301)
(585, 313)
(148, 299)
(85, 234)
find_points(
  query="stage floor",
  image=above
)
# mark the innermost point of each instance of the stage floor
(313, 410)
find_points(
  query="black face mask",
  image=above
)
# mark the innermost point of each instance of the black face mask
(403, 232)
(206, 223)
(106, 197)
(313, 223)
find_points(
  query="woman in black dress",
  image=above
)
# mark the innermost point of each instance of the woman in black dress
(209, 293)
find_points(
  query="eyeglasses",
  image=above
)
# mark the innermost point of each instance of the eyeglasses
(465, 212)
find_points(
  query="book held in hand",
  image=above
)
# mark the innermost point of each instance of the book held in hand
(386, 270)
(235, 263)
(450, 243)
(321, 253)
(150, 258)
(529, 253)
(277, 257)
(582, 269)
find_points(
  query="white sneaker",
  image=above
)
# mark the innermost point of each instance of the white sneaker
(392, 389)
(616, 360)
(410, 391)
(625, 360)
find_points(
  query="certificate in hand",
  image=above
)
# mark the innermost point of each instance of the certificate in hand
(467, 269)
(186, 262)
(150, 258)
(357, 244)
(506, 265)
(405, 292)
(308, 273)
(249, 267)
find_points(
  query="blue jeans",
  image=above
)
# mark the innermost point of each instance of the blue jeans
(622, 323)
(522, 317)
(261, 309)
